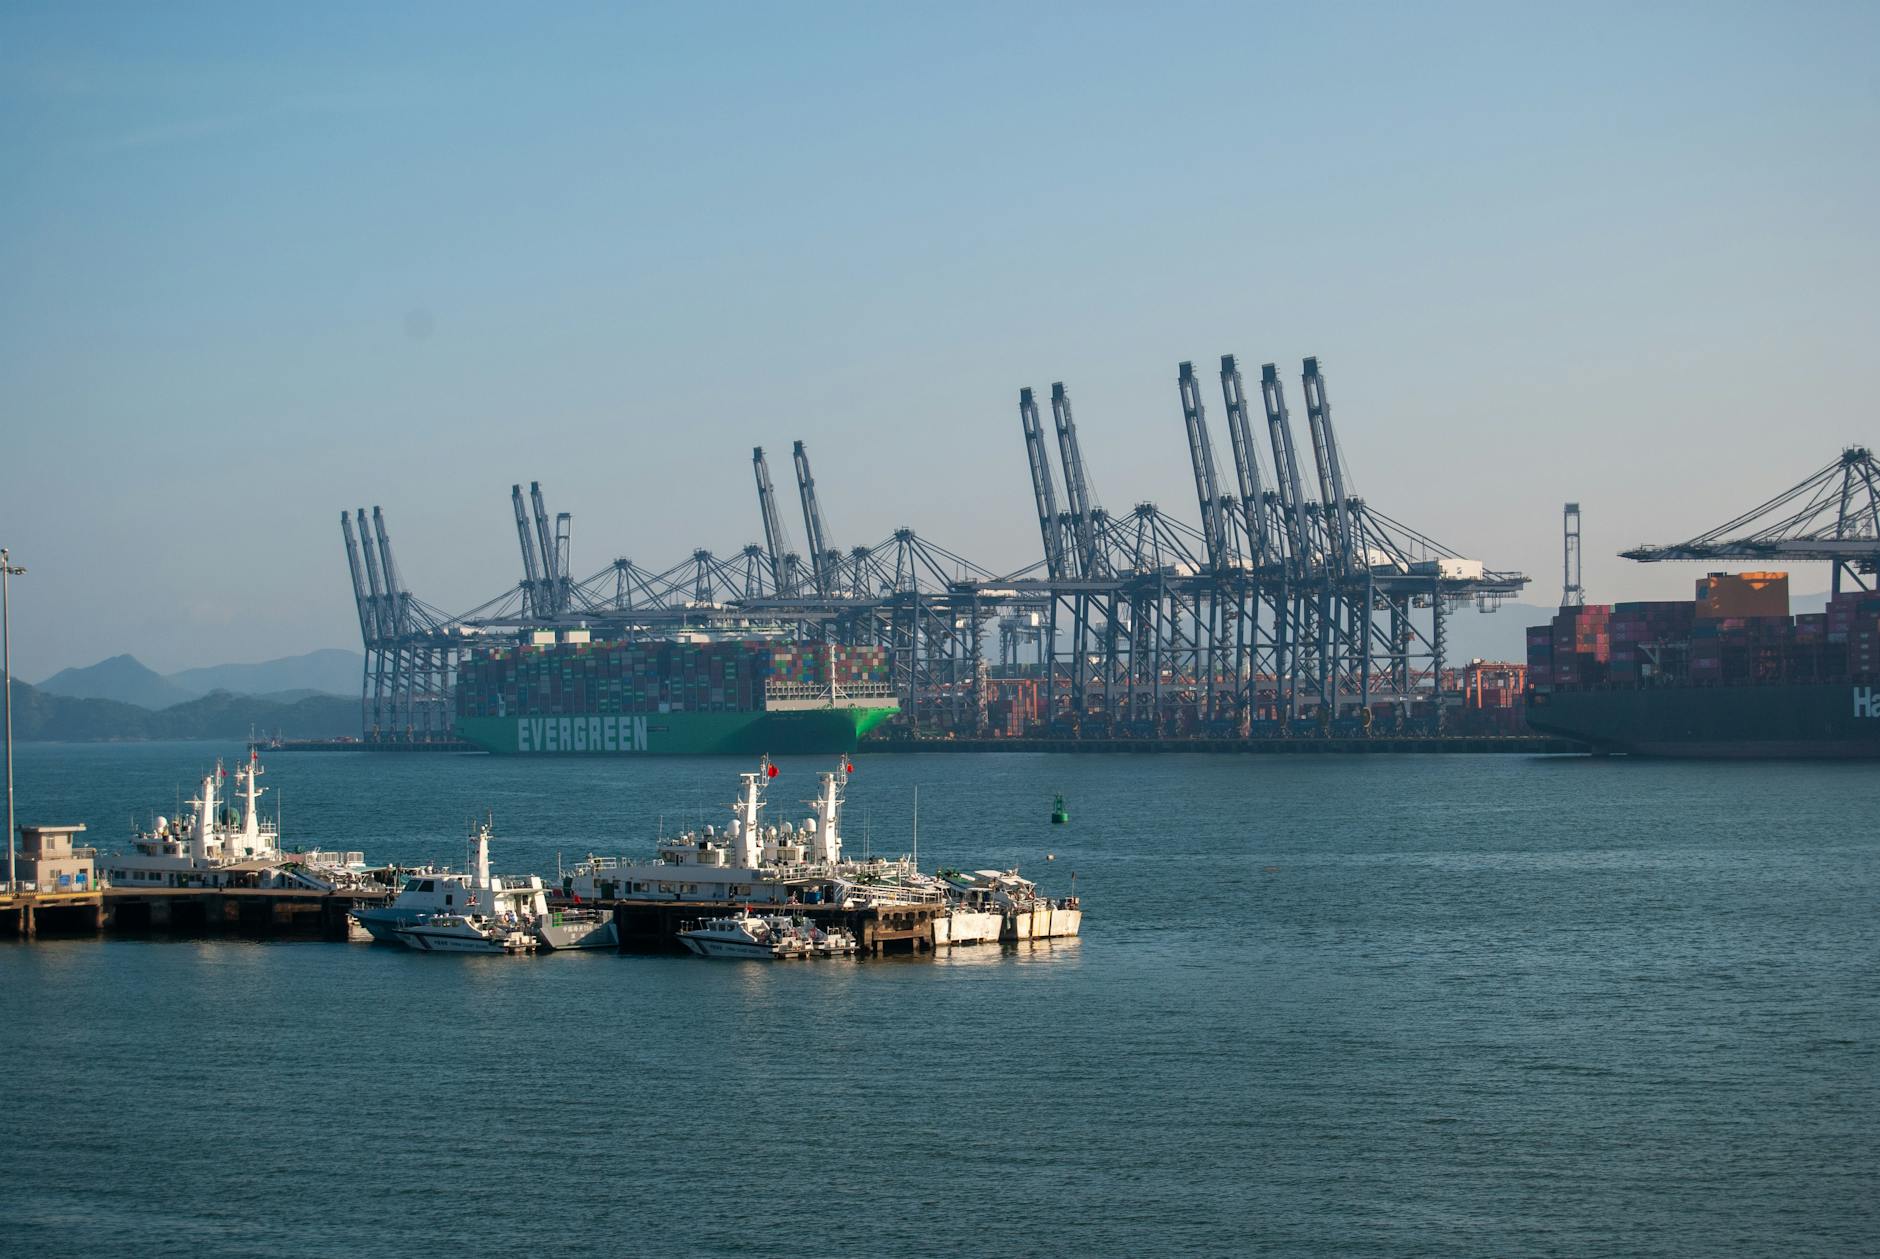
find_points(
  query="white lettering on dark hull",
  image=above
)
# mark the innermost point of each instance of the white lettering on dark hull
(581, 734)
(1866, 703)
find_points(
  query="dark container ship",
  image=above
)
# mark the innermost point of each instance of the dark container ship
(1730, 674)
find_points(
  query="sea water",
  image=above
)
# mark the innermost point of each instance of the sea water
(1384, 1005)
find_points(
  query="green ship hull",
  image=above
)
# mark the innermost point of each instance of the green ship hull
(796, 731)
(1801, 721)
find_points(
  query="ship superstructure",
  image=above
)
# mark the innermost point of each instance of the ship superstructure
(749, 861)
(207, 847)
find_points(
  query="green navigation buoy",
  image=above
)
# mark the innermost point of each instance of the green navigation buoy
(1059, 814)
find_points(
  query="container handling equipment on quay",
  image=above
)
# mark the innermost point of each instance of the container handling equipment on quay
(752, 888)
(1296, 616)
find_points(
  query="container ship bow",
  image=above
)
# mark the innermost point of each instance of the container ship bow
(565, 695)
(1731, 673)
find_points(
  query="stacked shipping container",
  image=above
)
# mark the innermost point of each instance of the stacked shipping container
(1581, 643)
(1701, 643)
(576, 678)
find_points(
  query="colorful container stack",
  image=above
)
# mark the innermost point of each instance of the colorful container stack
(1709, 641)
(807, 664)
(1737, 650)
(580, 679)
(1012, 705)
(1647, 639)
(1854, 619)
(1582, 645)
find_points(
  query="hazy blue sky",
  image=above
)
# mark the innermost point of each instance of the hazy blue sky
(263, 262)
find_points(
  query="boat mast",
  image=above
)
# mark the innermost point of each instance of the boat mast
(199, 832)
(251, 821)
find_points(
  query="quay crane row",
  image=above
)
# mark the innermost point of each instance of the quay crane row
(1277, 613)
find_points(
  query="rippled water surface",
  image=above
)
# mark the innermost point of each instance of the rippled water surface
(1323, 1006)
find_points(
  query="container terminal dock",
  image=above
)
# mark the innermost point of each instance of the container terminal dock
(1280, 625)
(1291, 607)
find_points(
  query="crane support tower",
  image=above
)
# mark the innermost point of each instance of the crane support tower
(1572, 593)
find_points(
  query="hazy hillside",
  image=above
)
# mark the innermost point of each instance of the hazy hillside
(331, 671)
(41, 716)
(121, 678)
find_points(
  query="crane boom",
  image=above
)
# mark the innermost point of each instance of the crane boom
(1076, 486)
(382, 614)
(773, 523)
(1246, 458)
(1201, 455)
(395, 596)
(368, 617)
(823, 565)
(531, 570)
(550, 578)
(1331, 474)
(1285, 468)
(1043, 491)
(564, 552)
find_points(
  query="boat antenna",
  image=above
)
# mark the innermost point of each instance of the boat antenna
(916, 826)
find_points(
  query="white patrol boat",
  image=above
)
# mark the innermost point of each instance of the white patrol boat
(747, 863)
(209, 849)
(476, 893)
(747, 936)
(458, 933)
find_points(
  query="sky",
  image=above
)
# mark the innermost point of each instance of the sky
(263, 263)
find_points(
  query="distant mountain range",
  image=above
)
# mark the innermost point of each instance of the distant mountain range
(41, 715)
(126, 680)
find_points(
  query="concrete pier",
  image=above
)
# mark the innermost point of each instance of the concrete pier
(235, 910)
(27, 914)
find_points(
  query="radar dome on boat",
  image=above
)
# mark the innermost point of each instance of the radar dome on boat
(163, 823)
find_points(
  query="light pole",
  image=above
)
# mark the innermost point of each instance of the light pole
(7, 573)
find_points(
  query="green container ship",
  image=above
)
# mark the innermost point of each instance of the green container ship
(573, 697)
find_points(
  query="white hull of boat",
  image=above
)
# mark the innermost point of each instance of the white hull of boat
(425, 940)
(578, 935)
(707, 947)
(967, 926)
(1043, 922)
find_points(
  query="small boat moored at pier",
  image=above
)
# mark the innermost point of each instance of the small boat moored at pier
(745, 937)
(477, 893)
(456, 933)
(576, 929)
